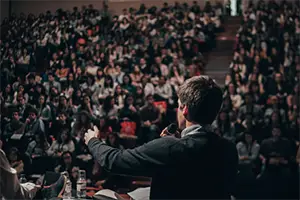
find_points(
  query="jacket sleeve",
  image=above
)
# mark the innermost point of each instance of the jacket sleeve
(141, 161)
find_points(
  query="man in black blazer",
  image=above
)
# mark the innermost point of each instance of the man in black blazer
(199, 165)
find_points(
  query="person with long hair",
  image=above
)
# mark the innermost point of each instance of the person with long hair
(15, 160)
(136, 75)
(63, 143)
(71, 85)
(176, 78)
(19, 92)
(113, 140)
(127, 85)
(44, 111)
(139, 97)
(64, 106)
(257, 91)
(76, 97)
(147, 85)
(223, 124)
(278, 154)
(8, 95)
(108, 88)
(248, 149)
(129, 112)
(109, 110)
(294, 127)
(82, 124)
(248, 152)
(119, 96)
(236, 99)
(38, 147)
(100, 78)
(67, 162)
(227, 103)
(86, 105)
(90, 84)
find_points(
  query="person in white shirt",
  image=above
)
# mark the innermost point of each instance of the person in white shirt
(147, 85)
(163, 91)
(163, 68)
(124, 15)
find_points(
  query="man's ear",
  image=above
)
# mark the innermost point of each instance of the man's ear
(185, 111)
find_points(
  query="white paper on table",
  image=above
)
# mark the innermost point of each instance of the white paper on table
(16, 136)
(140, 194)
(107, 195)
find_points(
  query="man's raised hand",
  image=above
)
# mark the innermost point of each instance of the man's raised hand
(91, 134)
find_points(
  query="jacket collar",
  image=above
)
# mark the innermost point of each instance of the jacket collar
(191, 130)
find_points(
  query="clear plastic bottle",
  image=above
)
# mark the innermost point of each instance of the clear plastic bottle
(81, 184)
(23, 178)
(68, 191)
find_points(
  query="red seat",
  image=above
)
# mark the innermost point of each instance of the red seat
(161, 105)
(128, 128)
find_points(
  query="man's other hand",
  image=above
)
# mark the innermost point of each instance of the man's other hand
(164, 132)
(91, 134)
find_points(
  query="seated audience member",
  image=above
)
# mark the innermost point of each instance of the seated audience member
(15, 160)
(147, 85)
(248, 151)
(67, 163)
(52, 83)
(129, 112)
(113, 140)
(44, 110)
(81, 125)
(61, 123)
(236, 99)
(63, 144)
(275, 107)
(222, 123)
(87, 106)
(38, 147)
(163, 91)
(150, 120)
(64, 106)
(277, 153)
(127, 85)
(34, 124)
(21, 106)
(109, 110)
(14, 126)
(119, 96)
(250, 107)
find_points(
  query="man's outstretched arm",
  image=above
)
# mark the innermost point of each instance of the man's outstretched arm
(141, 161)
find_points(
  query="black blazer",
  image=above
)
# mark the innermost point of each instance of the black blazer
(200, 165)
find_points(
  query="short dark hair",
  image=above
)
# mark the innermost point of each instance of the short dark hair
(203, 98)
(33, 110)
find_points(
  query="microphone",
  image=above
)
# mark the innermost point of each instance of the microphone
(171, 129)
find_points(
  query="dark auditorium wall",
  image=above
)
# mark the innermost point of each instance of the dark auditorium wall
(116, 6)
(4, 9)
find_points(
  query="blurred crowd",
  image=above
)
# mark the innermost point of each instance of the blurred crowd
(64, 72)
(261, 110)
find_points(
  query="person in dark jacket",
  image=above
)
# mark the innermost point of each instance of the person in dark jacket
(199, 165)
